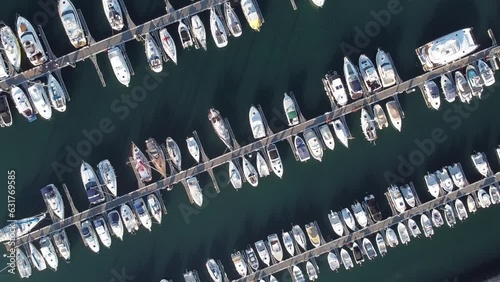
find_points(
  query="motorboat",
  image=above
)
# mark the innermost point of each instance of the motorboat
(336, 86)
(431, 93)
(336, 224)
(333, 261)
(5, 113)
(356, 251)
(107, 176)
(369, 74)
(471, 204)
(185, 35)
(380, 116)
(262, 167)
(189, 276)
(217, 29)
(487, 75)
(142, 213)
(193, 148)
(385, 69)
(326, 135)
(36, 257)
(368, 125)
(373, 208)
(129, 219)
(91, 184)
(403, 233)
(448, 88)
(397, 198)
(256, 123)
(239, 264)
(382, 248)
(61, 243)
(311, 271)
(275, 159)
(90, 236)
(346, 259)
(437, 219)
(290, 110)
(446, 49)
(275, 247)
(319, 4)
(11, 46)
(312, 233)
(53, 200)
(413, 227)
(252, 258)
(352, 78)
(288, 242)
(154, 207)
(464, 90)
(301, 149)
(474, 80)
(32, 45)
(456, 175)
(313, 144)
(449, 215)
(219, 126)
(494, 194)
(348, 219)
(250, 173)
(408, 195)
(173, 152)
(20, 227)
(300, 237)
(391, 238)
(394, 115)
(141, 164)
(40, 100)
(369, 249)
(156, 156)
(4, 69)
(234, 176)
(102, 231)
(119, 65)
(72, 23)
(153, 54)
(297, 274)
(341, 132)
(168, 44)
(426, 226)
(56, 94)
(461, 211)
(483, 198)
(195, 191)
(116, 224)
(232, 20)
(22, 103)
(114, 14)
(251, 14)
(480, 163)
(22, 263)
(214, 270)
(431, 181)
(199, 32)
(359, 214)
(261, 248)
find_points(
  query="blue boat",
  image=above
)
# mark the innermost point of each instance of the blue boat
(301, 149)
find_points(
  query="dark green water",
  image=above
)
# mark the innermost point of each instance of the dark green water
(292, 52)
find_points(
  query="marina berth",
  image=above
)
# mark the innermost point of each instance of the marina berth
(91, 184)
(301, 149)
(431, 93)
(312, 274)
(368, 248)
(368, 126)
(413, 228)
(141, 164)
(449, 215)
(457, 175)
(397, 198)
(359, 214)
(193, 148)
(461, 211)
(408, 195)
(369, 74)
(480, 163)
(313, 144)
(256, 123)
(353, 81)
(173, 152)
(382, 248)
(154, 207)
(431, 181)
(373, 208)
(487, 75)
(357, 254)
(336, 88)
(71, 23)
(239, 263)
(220, 127)
(475, 80)
(297, 274)
(336, 224)
(341, 132)
(313, 234)
(483, 198)
(494, 194)
(262, 167)
(53, 200)
(290, 110)
(437, 219)
(250, 173)
(380, 117)
(471, 204)
(326, 135)
(403, 234)
(348, 219)
(391, 238)
(195, 190)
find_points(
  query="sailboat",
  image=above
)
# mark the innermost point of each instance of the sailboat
(199, 31)
(20, 227)
(219, 126)
(22, 103)
(56, 94)
(217, 29)
(352, 78)
(290, 110)
(232, 20)
(185, 35)
(288, 242)
(11, 46)
(71, 23)
(114, 14)
(154, 207)
(385, 69)
(168, 44)
(40, 100)
(431, 92)
(140, 164)
(448, 88)
(313, 144)
(31, 43)
(368, 126)
(394, 115)
(36, 257)
(107, 176)
(156, 156)
(119, 66)
(129, 219)
(174, 153)
(369, 74)
(262, 167)
(153, 54)
(23, 264)
(250, 173)
(275, 159)
(91, 184)
(234, 176)
(195, 190)
(62, 244)
(256, 123)
(380, 117)
(341, 132)
(193, 148)
(486, 73)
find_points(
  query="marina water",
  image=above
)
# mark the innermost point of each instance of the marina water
(292, 52)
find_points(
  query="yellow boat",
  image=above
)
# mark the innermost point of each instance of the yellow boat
(251, 14)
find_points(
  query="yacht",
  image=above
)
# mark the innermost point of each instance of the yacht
(369, 74)
(71, 23)
(219, 126)
(239, 264)
(483, 198)
(49, 253)
(426, 226)
(385, 69)
(336, 224)
(174, 153)
(464, 90)
(341, 132)
(359, 214)
(333, 261)
(336, 86)
(256, 123)
(261, 248)
(326, 135)
(394, 115)
(91, 184)
(20, 227)
(189, 276)
(61, 243)
(288, 242)
(36, 257)
(480, 163)
(346, 259)
(301, 149)
(199, 31)
(456, 175)
(250, 173)
(232, 20)
(102, 231)
(448, 88)
(290, 110)
(300, 237)
(119, 66)
(311, 271)
(403, 233)
(275, 159)
(275, 247)
(382, 248)
(142, 213)
(413, 227)
(193, 148)
(53, 200)
(312, 233)
(168, 44)
(40, 100)
(446, 49)
(262, 167)
(195, 191)
(474, 80)
(116, 224)
(461, 211)
(392, 239)
(431, 181)
(22, 103)
(153, 54)
(56, 94)
(113, 13)
(380, 116)
(348, 219)
(471, 204)
(250, 12)
(214, 270)
(486, 73)
(23, 264)
(129, 219)
(217, 29)
(313, 144)
(11, 46)
(252, 258)
(31, 43)
(369, 249)
(141, 164)
(373, 208)
(156, 156)
(408, 195)
(356, 251)
(154, 207)
(494, 195)
(431, 93)
(318, 3)
(437, 219)
(449, 215)
(185, 35)
(352, 78)
(107, 176)
(234, 176)
(297, 274)
(368, 126)
(397, 198)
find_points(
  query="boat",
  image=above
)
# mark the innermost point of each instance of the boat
(487, 75)
(403, 233)
(11, 46)
(22, 103)
(431, 93)
(262, 167)
(413, 227)
(275, 247)
(252, 258)
(153, 54)
(102, 231)
(311, 271)
(219, 126)
(90, 236)
(341, 132)
(408, 195)
(397, 198)
(141, 164)
(173, 152)
(392, 239)
(461, 211)
(217, 29)
(142, 213)
(431, 181)
(494, 195)
(300, 237)
(214, 270)
(119, 65)
(348, 219)
(449, 215)
(256, 123)
(239, 264)
(56, 94)
(483, 198)
(91, 184)
(288, 242)
(193, 148)
(113, 13)
(129, 219)
(326, 135)
(368, 126)
(336, 224)
(195, 191)
(359, 214)
(154, 207)
(448, 88)
(53, 200)
(251, 14)
(297, 274)
(437, 219)
(31, 43)
(356, 251)
(380, 116)
(156, 156)
(189, 276)
(352, 78)
(319, 4)
(312, 233)
(346, 259)
(185, 35)
(480, 163)
(232, 20)
(290, 110)
(426, 226)
(382, 248)
(385, 69)
(474, 80)
(250, 173)
(116, 224)
(471, 204)
(40, 100)
(71, 23)
(36, 257)
(275, 159)
(4, 69)
(62, 244)
(301, 149)
(199, 32)
(22, 263)
(234, 176)
(369, 74)
(373, 208)
(20, 227)
(107, 176)
(261, 248)
(333, 261)
(336, 88)
(168, 44)
(369, 249)
(313, 144)
(446, 49)
(394, 115)
(456, 175)
(464, 90)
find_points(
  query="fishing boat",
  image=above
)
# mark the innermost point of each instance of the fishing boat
(480, 163)
(348, 219)
(234, 176)
(107, 176)
(40, 100)
(373, 208)
(62, 244)
(56, 94)
(346, 259)
(168, 44)
(311, 271)
(195, 190)
(22, 103)
(22, 263)
(426, 226)
(199, 32)
(173, 152)
(156, 156)
(36, 257)
(262, 167)
(20, 227)
(336, 224)
(385, 69)
(486, 73)
(456, 175)
(102, 231)
(219, 126)
(312, 233)
(275, 247)
(382, 248)
(290, 110)
(448, 88)
(431, 93)
(261, 248)
(326, 135)
(300, 237)
(341, 132)
(275, 159)
(352, 78)
(474, 80)
(71, 23)
(116, 224)
(288, 242)
(449, 215)
(494, 195)
(369, 249)
(333, 261)
(256, 123)
(119, 66)
(301, 149)
(129, 219)
(11, 46)
(437, 219)
(356, 251)
(140, 164)
(368, 126)
(391, 238)
(153, 54)
(313, 144)
(250, 173)
(413, 227)
(431, 181)
(403, 233)
(359, 214)
(239, 264)
(394, 115)
(252, 258)
(251, 14)
(193, 148)
(142, 213)
(217, 29)
(483, 198)
(380, 116)
(397, 198)
(369, 74)
(114, 14)
(214, 270)
(90, 236)
(5, 113)
(185, 35)
(408, 195)
(297, 274)
(461, 211)
(154, 207)
(91, 184)
(464, 90)
(232, 20)
(32, 45)
(471, 204)
(336, 87)
(53, 200)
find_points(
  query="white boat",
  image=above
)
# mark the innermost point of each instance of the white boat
(426, 226)
(486, 73)
(341, 132)
(456, 175)
(189, 276)
(391, 238)
(261, 248)
(448, 88)
(40, 100)
(102, 231)
(299, 236)
(22, 103)
(107, 176)
(119, 66)
(217, 29)
(369, 249)
(346, 259)
(214, 270)
(22, 263)
(431, 181)
(463, 88)
(348, 219)
(199, 32)
(480, 163)
(275, 247)
(61, 243)
(408, 195)
(368, 126)
(262, 167)
(461, 211)
(90, 236)
(313, 144)
(397, 198)
(116, 224)
(475, 81)
(312, 274)
(219, 126)
(494, 194)
(471, 204)
(275, 159)
(431, 93)
(483, 198)
(168, 44)
(336, 224)
(359, 214)
(437, 219)
(20, 227)
(333, 261)
(256, 123)
(449, 215)
(356, 251)
(318, 3)
(326, 135)
(113, 13)
(5, 113)
(36, 258)
(239, 264)
(337, 89)
(382, 248)
(301, 149)
(29, 40)
(394, 115)
(234, 176)
(4, 70)
(56, 94)
(252, 258)
(53, 200)
(369, 74)
(142, 213)
(71, 23)
(91, 184)
(250, 12)
(185, 35)
(232, 20)
(446, 49)
(413, 227)
(141, 164)
(153, 54)
(250, 173)
(195, 190)
(290, 110)
(403, 233)
(173, 152)
(353, 81)
(154, 207)
(312, 233)
(11, 46)
(129, 219)
(380, 116)
(193, 148)
(385, 69)
(297, 274)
